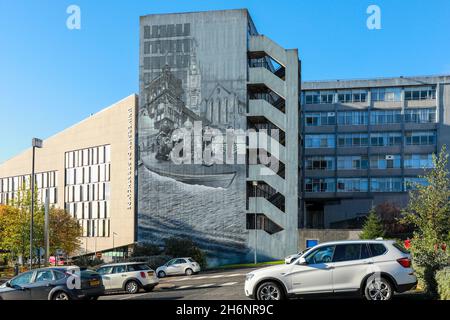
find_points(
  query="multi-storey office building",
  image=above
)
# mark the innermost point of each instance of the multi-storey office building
(365, 141)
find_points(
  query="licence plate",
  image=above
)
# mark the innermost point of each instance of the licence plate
(94, 283)
(150, 273)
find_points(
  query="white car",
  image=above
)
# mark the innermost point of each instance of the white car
(375, 268)
(178, 266)
(130, 277)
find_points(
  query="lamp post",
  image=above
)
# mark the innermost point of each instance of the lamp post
(35, 143)
(255, 184)
(114, 247)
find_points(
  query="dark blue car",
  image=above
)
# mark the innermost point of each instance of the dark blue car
(57, 283)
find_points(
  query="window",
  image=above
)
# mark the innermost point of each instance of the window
(352, 140)
(385, 161)
(120, 269)
(352, 96)
(400, 248)
(137, 267)
(44, 276)
(386, 185)
(353, 118)
(105, 270)
(23, 279)
(320, 119)
(352, 185)
(320, 255)
(320, 141)
(385, 139)
(377, 249)
(420, 116)
(320, 185)
(386, 94)
(347, 252)
(318, 97)
(420, 138)
(420, 93)
(352, 162)
(411, 183)
(385, 116)
(419, 161)
(319, 163)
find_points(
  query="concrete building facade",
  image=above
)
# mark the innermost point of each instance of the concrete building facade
(215, 71)
(365, 142)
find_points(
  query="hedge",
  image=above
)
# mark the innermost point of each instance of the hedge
(443, 281)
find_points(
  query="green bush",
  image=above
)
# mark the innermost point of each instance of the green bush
(178, 247)
(443, 283)
(146, 250)
(152, 261)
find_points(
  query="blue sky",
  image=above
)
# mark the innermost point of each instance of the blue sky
(52, 77)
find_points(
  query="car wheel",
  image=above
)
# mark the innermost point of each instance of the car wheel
(132, 287)
(161, 274)
(189, 272)
(378, 289)
(60, 295)
(269, 291)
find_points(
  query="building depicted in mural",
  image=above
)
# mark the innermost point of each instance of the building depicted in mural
(198, 76)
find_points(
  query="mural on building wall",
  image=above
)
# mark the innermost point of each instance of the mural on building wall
(203, 200)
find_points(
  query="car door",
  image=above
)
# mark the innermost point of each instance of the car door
(351, 263)
(18, 289)
(118, 277)
(106, 273)
(172, 267)
(41, 284)
(315, 276)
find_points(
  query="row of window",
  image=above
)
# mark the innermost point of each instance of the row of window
(87, 157)
(8, 197)
(361, 162)
(42, 180)
(91, 174)
(384, 184)
(88, 192)
(377, 94)
(89, 210)
(95, 228)
(374, 139)
(427, 115)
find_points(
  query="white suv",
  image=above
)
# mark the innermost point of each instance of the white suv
(375, 268)
(178, 266)
(130, 277)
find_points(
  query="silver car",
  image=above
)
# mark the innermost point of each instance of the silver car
(130, 277)
(178, 266)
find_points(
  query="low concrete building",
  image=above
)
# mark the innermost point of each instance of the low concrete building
(88, 169)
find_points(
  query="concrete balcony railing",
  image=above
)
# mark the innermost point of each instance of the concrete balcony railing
(262, 173)
(261, 75)
(261, 43)
(262, 108)
(262, 205)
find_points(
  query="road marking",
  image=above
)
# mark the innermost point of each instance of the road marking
(133, 296)
(214, 277)
(209, 277)
(183, 287)
(234, 275)
(206, 285)
(228, 284)
(182, 279)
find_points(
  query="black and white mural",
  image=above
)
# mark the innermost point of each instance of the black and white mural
(193, 90)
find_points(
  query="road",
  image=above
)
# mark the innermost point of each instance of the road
(217, 285)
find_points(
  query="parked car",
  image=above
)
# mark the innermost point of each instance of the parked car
(293, 257)
(129, 277)
(52, 284)
(178, 266)
(374, 268)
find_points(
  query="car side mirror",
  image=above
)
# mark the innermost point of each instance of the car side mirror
(302, 261)
(8, 285)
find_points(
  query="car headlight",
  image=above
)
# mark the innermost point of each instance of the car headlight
(249, 276)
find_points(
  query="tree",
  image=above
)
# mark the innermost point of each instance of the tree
(178, 247)
(428, 211)
(373, 228)
(146, 250)
(390, 214)
(64, 231)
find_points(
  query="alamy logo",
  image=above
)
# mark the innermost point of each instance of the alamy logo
(374, 19)
(73, 22)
